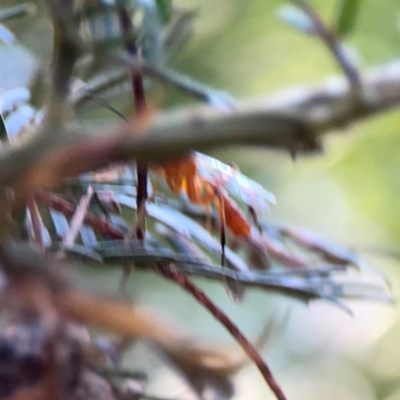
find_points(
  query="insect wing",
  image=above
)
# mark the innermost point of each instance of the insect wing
(236, 184)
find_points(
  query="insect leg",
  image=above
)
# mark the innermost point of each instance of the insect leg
(221, 207)
(127, 270)
(154, 188)
(254, 217)
(208, 218)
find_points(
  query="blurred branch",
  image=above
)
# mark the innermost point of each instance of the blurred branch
(293, 120)
(48, 159)
(322, 109)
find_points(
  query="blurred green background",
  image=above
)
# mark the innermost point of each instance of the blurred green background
(350, 195)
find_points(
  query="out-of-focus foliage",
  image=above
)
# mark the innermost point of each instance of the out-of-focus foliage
(350, 194)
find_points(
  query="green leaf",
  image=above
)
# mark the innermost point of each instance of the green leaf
(346, 16)
(164, 8)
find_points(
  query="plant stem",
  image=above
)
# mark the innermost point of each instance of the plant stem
(139, 98)
(173, 273)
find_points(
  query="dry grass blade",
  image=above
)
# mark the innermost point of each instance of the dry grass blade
(37, 223)
(63, 206)
(78, 218)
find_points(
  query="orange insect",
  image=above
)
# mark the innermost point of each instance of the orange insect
(183, 176)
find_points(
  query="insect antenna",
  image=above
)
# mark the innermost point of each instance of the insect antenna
(103, 102)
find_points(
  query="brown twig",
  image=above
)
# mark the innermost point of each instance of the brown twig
(59, 204)
(173, 273)
(78, 218)
(139, 98)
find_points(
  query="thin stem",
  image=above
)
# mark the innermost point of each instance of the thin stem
(334, 45)
(139, 98)
(78, 218)
(173, 273)
(36, 222)
(122, 374)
